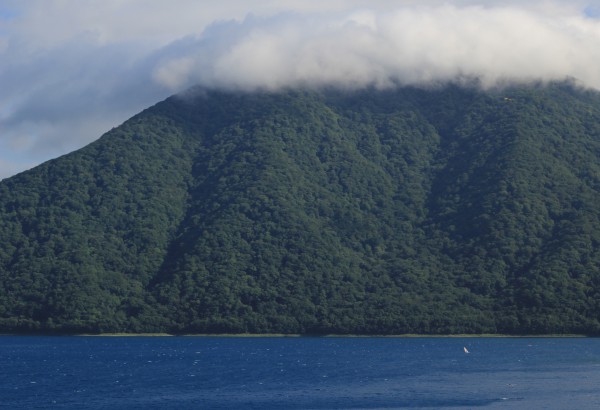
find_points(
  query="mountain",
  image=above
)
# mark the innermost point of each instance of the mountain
(445, 210)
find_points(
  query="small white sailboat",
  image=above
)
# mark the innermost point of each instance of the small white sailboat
(466, 350)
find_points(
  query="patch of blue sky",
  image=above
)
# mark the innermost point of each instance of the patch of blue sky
(7, 14)
(592, 12)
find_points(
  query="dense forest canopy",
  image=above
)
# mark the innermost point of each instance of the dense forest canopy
(435, 211)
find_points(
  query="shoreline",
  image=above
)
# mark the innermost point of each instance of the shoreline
(297, 335)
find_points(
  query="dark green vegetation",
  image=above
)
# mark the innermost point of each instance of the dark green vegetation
(408, 211)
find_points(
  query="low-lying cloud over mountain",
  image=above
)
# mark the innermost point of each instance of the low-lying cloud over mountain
(412, 45)
(71, 70)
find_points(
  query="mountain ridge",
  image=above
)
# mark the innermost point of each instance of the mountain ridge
(448, 210)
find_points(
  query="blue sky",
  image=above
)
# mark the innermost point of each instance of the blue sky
(71, 70)
(592, 11)
(7, 14)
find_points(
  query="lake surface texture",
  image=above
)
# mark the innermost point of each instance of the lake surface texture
(298, 373)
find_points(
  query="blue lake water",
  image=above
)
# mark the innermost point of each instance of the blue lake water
(298, 373)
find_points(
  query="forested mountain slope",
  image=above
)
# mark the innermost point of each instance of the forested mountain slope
(448, 210)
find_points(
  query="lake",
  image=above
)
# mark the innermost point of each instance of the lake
(298, 373)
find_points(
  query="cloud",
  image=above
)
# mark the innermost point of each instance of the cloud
(412, 45)
(65, 98)
(70, 70)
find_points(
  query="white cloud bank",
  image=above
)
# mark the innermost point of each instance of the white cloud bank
(70, 70)
(413, 45)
